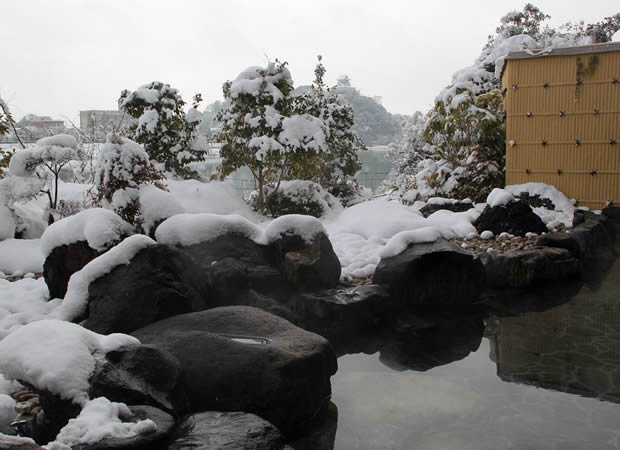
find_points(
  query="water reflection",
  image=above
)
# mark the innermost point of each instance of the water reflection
(441, 385)
(574, 347)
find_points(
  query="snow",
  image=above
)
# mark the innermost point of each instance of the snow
(156, 205)
(75, 301)
(97, 226)
(305, 226)
(499, 197)
(303, 132)
(362, 234)
(99, 419)
(57, 356)
(60, 140)
(446, 201)
(149, 120)
(19, 256)
(216, 197)
(7, 224)
(564, 208)
(190, 229)
(7, 413)
(22, 302)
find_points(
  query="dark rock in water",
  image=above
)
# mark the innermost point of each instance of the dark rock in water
(560, 240)
(523, 268)
(515, 218)
(155, 440)
(161, 281)
(429, 208)
(340, 312)
(140, 375)
(445, 342)
(323, 431)
(63, 262)
(437, 275)
(235, 264)
(595, 239)
(612, 213)
(308, 266)
(240, 358)
(227, 430)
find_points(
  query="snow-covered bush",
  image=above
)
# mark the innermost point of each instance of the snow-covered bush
(45, 161)
(122, 168)
(260, 129)
(167, 133)
(300, 197)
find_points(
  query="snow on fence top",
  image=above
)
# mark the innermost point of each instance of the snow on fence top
(99, 227)
(190, 229)
(74, 303)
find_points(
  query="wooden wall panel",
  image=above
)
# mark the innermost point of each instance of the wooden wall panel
(580, 125)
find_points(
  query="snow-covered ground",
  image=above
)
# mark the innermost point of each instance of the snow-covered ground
(361, 235)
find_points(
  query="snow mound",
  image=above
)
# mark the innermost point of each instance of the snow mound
(57, 356)
(7, 224)
(190, 229)
(305, 226)
(21, 302)
(99, 419)
(369, 231)
(19, 256)
(97, 226)
(560, 201)
(499, 197)
(74, 303)
(156, 205)
(216, 197)
(399, 242)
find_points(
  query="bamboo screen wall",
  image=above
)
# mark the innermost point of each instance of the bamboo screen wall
(563, 124)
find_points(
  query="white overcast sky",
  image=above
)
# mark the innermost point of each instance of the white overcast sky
(59, 57)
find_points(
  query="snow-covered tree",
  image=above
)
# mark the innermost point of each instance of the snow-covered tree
(45, 161)
(340, 160)
(167, 133)
(260, 129)
(122, 168)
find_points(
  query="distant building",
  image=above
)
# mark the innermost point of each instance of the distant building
(41, 122)
(563, 121)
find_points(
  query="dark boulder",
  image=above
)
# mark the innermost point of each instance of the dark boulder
(522, 268)
(225, 431)
(322, 436)
(235, 264)
(595, 238)
(308, 266)
(159, 282)
(437, 275)
(140, 375)
(240, 358)
(155, 440)
(515, 218)
(560, 240)
(339, 312)
(612, 213)
(64, 261)
(431, 208)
